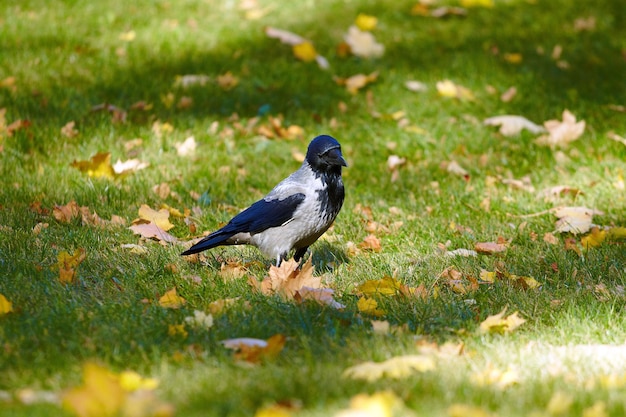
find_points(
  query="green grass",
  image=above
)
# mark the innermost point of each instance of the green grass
(67, 57)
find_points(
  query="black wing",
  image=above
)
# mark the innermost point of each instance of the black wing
(260, 216)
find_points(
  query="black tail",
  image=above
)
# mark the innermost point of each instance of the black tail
(217, 238)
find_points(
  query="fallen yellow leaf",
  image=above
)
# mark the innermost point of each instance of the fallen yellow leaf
(379, 404)
(447, 88)
(596, 410)
(498, 323)
(305, 51)
(385, 286)
(5, 305)
(369, 306)
(560, 403)
(366, 22)
(160, 218)
(396, 367)
(97, 166)
(172, 300)
(68, 264)
(100, 396)
(594, 239)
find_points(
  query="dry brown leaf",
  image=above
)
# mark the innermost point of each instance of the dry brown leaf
(550, 238)
(489, 248)
(574, 220)
(69, 130)
(363, 43)
(562, 133)
(371, 243)
(354, 83)
(152, 231)
(513, 125)
(231, 270)
(66, 213)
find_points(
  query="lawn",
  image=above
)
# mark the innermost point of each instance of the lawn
(447, 221)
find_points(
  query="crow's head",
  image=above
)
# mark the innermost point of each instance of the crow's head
(324, 154)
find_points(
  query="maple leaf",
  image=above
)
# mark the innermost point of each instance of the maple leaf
(495, 377)
(186, 148)
(575, 220)
(200, 319)
(455, 280)
(596, 410)
(560, 403)
(66, 213)
(378, 404)
(369, 306)
(498, 323)
(447, 88)
(68, 264)
(132, 381)
(562, 133)
(126, 167)
(256, 350)
(98, 166)
(175, 330)
(305, 51)
(68, 130)
(396, 367)
(172, 300)
(106, 394)
(385, 286)
(617, 233)
(101, 395)
(363, 44)
(366, 22)
(5, 305)
(232, 270)
(371, 243)
(594, 239)
(152, 231)
(159, 218)
(354, 83)
(513, 125)
(489, 248)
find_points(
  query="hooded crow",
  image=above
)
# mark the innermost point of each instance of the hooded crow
(295, 213)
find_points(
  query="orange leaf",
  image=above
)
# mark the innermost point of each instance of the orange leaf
(256, 350)
(489, 248)
(371, 243)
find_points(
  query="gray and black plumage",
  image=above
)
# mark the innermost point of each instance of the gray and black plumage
(295, 213)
